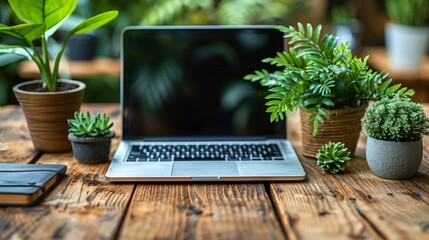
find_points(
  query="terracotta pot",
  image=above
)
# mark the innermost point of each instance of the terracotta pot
(90, 150)
(343, 125)
(46, 113)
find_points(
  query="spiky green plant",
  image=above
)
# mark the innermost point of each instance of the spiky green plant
(397, 119)
(317, 74)
(332, 157)
(408, 12)
(83, 125)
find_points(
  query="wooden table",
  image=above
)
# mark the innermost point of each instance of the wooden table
(355, 204)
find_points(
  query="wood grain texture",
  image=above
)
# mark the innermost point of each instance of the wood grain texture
(15, 141)
(355, 204)
(83, 206)
(318, 208)
(201, 211)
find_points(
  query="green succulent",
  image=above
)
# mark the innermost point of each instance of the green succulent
(83, 125)
(332, 157)
(396, 119)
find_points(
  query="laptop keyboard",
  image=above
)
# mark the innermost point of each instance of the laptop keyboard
(205, 152)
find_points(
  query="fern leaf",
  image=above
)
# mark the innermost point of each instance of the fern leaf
(309, 31)
(316, 36)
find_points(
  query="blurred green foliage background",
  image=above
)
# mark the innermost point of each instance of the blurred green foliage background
(149, 12)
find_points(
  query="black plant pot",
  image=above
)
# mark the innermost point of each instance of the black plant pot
(90, 150)
(82, 47)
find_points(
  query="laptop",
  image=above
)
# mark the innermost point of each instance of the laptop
(187, 113)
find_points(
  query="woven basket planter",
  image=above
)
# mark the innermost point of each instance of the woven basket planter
(343, 125)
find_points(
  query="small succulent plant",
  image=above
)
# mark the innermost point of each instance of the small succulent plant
(396, 119)
(332, 157)
(83, 125)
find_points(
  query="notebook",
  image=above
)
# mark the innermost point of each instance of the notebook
(27, 184)
(187, 113)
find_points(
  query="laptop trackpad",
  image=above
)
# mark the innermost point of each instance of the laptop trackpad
(205, 169)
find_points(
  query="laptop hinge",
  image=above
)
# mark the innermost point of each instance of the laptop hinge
(191, 139)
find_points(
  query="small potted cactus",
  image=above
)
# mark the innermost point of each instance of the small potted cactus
(395, 128)
(90, 137)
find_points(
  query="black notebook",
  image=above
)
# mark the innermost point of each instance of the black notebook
(27, 184)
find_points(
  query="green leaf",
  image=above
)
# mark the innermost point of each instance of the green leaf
(393, 88)
(50, 12)
(328, 102)
(13, 53)
(315, 127)
(309, 31)
(409, 92)
(384, 85)
(8, 58)
(94, 22)
(310, 101)
(317, 34)
(27, 32)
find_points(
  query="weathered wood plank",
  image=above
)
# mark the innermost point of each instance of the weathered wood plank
(398, 209)
(355, 204)
(201, 211)
(15, 141)
(83, 206)
(318, 208)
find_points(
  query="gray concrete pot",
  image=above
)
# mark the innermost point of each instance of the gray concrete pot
(394, 160)
(91, 150)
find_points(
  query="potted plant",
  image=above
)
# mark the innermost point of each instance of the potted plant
(395, 128)
(407, 35)
(90, 137)
(329, 85)
(48, 102)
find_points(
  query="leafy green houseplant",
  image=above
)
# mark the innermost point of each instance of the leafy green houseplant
(41, 20)
(90, 136)
(319, 76)
(49, 102)
(407, 33)
(395, 128)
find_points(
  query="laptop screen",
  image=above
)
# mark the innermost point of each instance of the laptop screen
(188, 81)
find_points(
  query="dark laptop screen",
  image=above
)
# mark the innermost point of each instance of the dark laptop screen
(188, 81)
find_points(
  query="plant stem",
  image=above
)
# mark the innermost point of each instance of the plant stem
(58, 57)
(50, 83)
(44, 69)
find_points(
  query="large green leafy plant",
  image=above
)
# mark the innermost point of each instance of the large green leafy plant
(42, 18)
(318, 74)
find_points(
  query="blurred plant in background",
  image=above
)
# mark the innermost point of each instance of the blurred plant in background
(8, 74)
(158, 12)
(220, 11)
